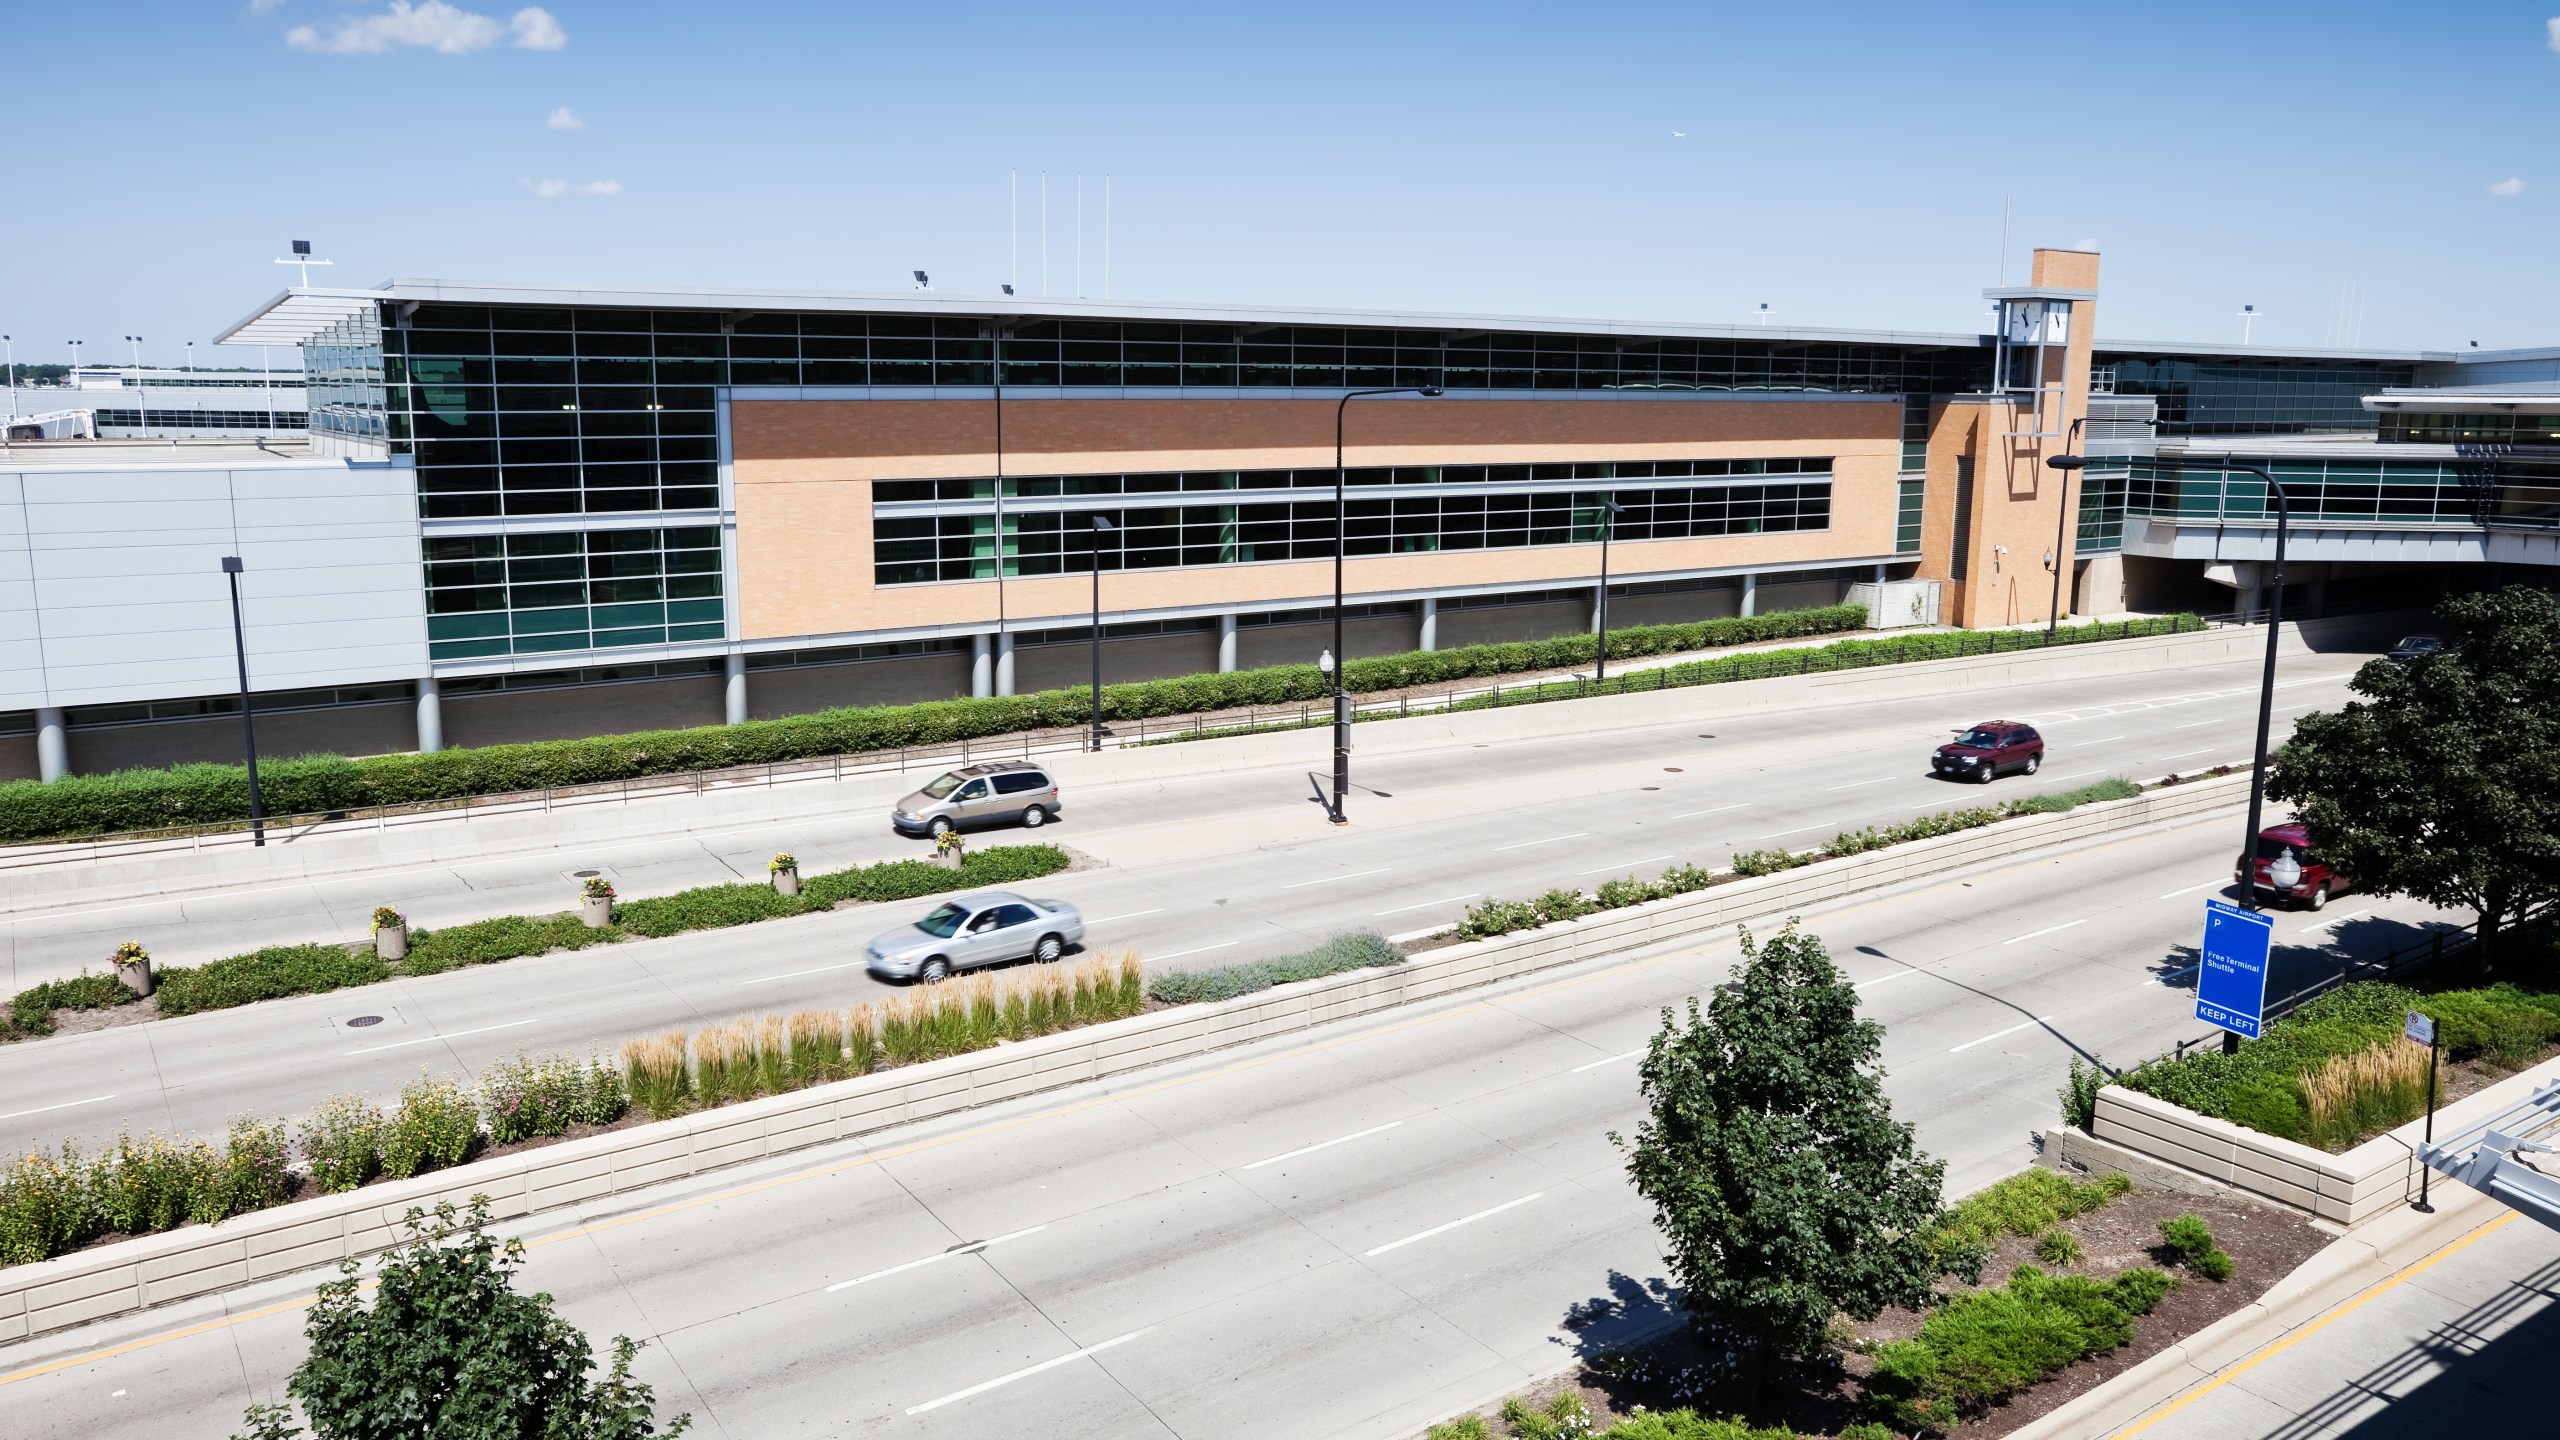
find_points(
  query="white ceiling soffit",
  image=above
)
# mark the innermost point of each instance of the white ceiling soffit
(296, 316)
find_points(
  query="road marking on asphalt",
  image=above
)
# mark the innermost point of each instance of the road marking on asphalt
(1694, 814)
(2329, 923)
(1427, 904)
(1800, 829)
(796, 974)
(1608, 1060)
(1854, 784)
(1026, 1372)
(2049, 929)
(1128, 915)
(1203, 950)
(449, 1035)
(1879, 980)
(2076, 775)
(2103, 740)
(2183, 754)
(65, 1105)
(2192, 724)
(1326, 1144)
(1550, 840)
(2309, 1328)
(970, 1249)
(2012, 1030)
(2190, 890)
(1329, 879)
(1623, 864)
(1452, 1225)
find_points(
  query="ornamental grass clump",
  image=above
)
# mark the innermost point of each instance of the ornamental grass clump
(861, 1040)
(817, 1046)
(2352, 1096)
(436, 1126)
(661, 1081)
(724, 1063)
(903, 1020)
(342, 1143)
(773, 1055)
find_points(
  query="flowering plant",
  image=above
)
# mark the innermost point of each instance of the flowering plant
(386, 918)
(132, 953)
(784, 861)
(598, 888)
(948, 842)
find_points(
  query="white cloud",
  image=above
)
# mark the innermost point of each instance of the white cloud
(262, 7)
(432, 25)
(2512, 185)
(2554, 25)
(536, 30)
(554, 189)
(565, 118)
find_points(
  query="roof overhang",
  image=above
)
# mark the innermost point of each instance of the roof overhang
(2541, 398)
(296, 315)
(2036, 292)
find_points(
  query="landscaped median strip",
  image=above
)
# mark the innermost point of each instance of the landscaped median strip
(111, 1279)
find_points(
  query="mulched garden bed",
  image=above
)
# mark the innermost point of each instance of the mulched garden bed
(2265, 1243)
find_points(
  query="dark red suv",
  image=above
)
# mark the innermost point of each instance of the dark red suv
(2313, 882)
(1988, 749)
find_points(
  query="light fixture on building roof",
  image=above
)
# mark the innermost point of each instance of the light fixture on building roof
(1009, 290)
(923, 282)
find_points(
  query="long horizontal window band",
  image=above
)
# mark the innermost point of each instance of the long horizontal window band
(571, 590)
(192, 419)
(925, 550)
(1198, 482)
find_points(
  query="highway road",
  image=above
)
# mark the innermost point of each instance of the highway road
(1346, 1233)
(1193, 873)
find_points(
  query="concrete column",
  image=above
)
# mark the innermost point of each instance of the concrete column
(1750, 595)
(1880, 579)
(53, 744)
(1430, 625)
(1226, 644)
(1004, 663)
(430, 717)
(982, 665)
(737, 690)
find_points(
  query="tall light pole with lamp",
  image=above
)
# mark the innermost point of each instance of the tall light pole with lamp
(2069, 464)
(1610, 510)
(231, 568)
(1101, 527)
(1339, 656)
(11, 343)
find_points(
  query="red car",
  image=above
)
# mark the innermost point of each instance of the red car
(1989, 749)
(2280, 846)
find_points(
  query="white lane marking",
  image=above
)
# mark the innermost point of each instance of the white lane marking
(2076, 775)
(450, 1035)
(1610, 1060)
(1694, 814)
(2305, 705)
(2012, 1030)
(931, 1260)
(1026, 1372)
(1550, 840)
(1326, 1144)
(2192, 724)
(1623, 864)
(2104, 740)
(2190, 890)
(1203, 950)
(65, 1105)
(796, 974)
(1452, 1225)
(1329, 879)
(2049, 929)
(1854, 784)
(2183, 754)
(1879, 980)
(1427, 904)
(1816, 825)
(1130, 915)
(2334, 920)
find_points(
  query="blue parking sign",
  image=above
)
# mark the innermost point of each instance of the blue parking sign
(2231, 980)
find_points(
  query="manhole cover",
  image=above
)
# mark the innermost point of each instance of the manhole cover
(1706, 737)
(360, 1021)
(1670, 769)
(1653, 787)
(584, 874)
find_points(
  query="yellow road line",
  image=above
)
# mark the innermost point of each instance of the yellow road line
(858, 1161)
(2286, 1342)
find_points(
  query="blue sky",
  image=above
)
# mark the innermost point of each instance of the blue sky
(1845, 164)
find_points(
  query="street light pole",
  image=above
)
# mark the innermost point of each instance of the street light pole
(2066, 463)
(1610, 510)
(1341, 656)
(1101, 527)
(248, 725)
(2266, 718)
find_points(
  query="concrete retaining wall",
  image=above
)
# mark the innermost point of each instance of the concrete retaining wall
(2347, 1189)
(197, 1260)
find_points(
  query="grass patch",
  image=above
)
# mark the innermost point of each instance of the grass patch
(1358, 951)
(269, 974)
(2028, 1203)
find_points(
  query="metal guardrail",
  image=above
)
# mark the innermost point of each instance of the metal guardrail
(1023, 745)
(2498, 1156)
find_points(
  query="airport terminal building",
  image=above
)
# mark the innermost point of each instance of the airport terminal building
(532, 512)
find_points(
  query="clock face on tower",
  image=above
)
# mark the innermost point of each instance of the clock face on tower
(2036, 322)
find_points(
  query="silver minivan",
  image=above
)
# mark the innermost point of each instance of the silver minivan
(1007, 792)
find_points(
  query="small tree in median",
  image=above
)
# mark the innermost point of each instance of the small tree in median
(2443, 783)
(1777, 1172)
(449, 1351)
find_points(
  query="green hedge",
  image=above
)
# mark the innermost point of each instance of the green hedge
(1357, 951)
(269, 974)
(1981, 1346)
(320, 784)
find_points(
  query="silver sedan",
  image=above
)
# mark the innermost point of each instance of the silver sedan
(983, 929)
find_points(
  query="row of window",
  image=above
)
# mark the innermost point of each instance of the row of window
(922, 550)
(2400, 427)
(525, 594)
(1908, 511)
(1191, 482)
(194, 419)
(2256, 397)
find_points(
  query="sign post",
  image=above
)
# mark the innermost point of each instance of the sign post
(2231, 977)
(2422, 1029)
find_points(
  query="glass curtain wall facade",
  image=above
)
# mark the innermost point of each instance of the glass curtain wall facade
(2209, 396)
(522, 594)
(345, 381)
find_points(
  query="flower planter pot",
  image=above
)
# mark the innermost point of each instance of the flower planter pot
(391, 942)
(596, 910)
(135, 976)
(947, 859)
(787, 880)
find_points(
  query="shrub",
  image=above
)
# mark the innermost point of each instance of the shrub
(1563, 1417)
(2027, 1203)
(256, 1171)
(2079, 1093)
(2062, 800)
(1768, 862)
(706, 907)
(435, 1127)
(31, 1010)
(1558, 905)
(1359, 950)
(2193, 1241)
(524, 1097)
(268, 974)
(45, 1206)
(1487, 918)
(142, 1189)
(1465, 1427)
(1983, 1345)
(2059, 1247)
(342, 1143)
(506, 937)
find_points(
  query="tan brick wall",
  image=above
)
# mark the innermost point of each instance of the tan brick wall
(803, 470)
